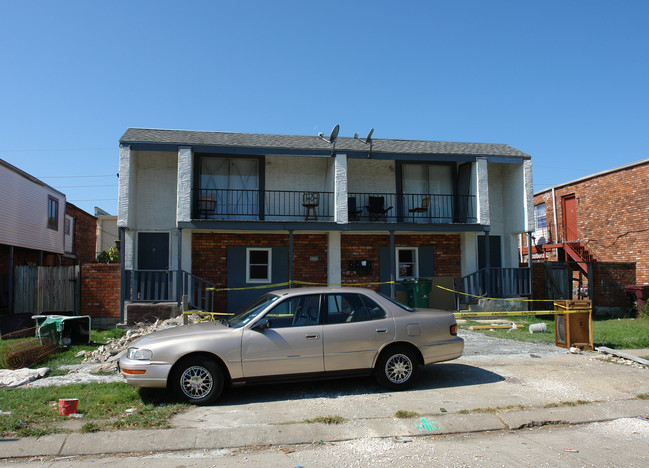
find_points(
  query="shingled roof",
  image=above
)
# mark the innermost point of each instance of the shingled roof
(293, 143)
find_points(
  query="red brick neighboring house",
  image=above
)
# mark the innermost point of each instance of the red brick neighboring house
(599, 219)
(83, 236)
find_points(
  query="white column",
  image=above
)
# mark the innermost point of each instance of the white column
(482, 177)
(334, 275)
(528, 190)
(184, 184)
(340, 189)
(124, 187)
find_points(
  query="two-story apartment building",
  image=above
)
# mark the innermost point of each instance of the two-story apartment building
(240, 213)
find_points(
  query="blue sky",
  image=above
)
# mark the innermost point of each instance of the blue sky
(564, 81)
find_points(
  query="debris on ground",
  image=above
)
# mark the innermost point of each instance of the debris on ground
(100, 365)
(621, 357)
(108, 354)
(17, 377)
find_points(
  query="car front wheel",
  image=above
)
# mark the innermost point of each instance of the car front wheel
(198, 381)
(397, 368)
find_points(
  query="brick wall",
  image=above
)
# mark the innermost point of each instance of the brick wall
(609, 279)
(210, 263)
(84, 240)
(209, 259)
(612, 214)
(100, 291)
(447, 256)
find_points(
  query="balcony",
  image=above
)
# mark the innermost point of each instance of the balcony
(283, 205)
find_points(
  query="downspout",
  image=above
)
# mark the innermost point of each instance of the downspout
(122, 274)
(11, 279)
(529, 263)
(290, 259)
(180, 278)
(554, 215)
(393, 267)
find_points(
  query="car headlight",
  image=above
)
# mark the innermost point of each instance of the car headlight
(138, 354)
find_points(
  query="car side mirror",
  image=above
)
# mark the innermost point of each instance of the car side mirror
(261, 324)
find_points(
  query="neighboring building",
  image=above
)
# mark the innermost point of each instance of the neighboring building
(80, 236)
(39, 228)
(106, 231)
(251, 210)
(597, 220)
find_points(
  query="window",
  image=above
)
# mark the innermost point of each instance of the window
(52, 213)
(343, 308)
(230, 186)
(539, 216)
(407, 263)
(258, 265)
(295, 312)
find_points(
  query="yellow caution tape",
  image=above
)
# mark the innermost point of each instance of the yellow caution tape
(515, 313)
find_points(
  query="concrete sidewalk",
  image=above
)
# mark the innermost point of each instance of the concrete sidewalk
(164, 440)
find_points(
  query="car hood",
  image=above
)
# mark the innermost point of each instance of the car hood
(182, 331)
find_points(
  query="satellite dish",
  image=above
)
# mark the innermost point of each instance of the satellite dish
(334, 134)
(369, 136)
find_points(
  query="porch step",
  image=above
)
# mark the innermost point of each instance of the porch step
(149, 312)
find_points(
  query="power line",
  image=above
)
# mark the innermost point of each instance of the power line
(84, 186)
(54, 149)
(75, 176)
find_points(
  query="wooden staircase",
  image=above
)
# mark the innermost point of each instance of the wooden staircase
(581, 254)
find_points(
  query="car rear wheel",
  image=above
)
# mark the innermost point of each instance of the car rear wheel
(198, 381)
(397, 368)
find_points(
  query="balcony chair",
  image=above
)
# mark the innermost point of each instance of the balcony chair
(310, 201)
(206, 204)
(425, 203)
(354, 213)
(376, 209)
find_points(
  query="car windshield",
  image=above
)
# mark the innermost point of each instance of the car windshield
(402, 306)
(249, 312)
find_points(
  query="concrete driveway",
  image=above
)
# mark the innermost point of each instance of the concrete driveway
(495, 374)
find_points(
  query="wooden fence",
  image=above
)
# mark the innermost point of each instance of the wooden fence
(39, 290)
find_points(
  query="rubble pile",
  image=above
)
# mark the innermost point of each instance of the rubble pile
(109, 353)
(623, 361)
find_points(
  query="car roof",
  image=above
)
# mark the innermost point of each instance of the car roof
(321, 290)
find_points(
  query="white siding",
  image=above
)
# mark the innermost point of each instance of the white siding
(507, 207)
(155, 190)
(371, 176)
(23, 211)
(293, 173)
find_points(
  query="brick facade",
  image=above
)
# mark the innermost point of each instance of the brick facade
(84, 236)
(612, 213)
(100, 291)
(209, 255)
(355, 247)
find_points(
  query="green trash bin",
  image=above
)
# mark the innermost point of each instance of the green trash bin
(417, 292)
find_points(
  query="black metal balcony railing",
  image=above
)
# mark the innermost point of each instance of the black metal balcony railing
(280, 205)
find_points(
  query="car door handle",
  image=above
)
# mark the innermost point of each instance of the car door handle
(312, 337)
(381, 330)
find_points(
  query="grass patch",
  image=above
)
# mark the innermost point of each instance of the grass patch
(403, 414)
(643, 396)
(326, 420)
(562, 404)
(613, 333)
(66, 355)
(34, 411)
(495, 409)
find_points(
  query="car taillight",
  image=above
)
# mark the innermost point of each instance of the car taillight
(454, 329)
